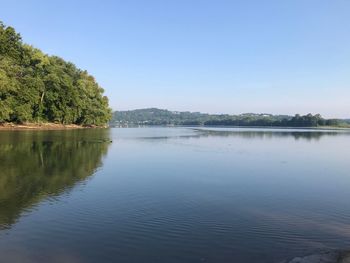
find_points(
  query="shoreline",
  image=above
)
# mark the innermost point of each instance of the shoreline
(321, 128)
(43, 126)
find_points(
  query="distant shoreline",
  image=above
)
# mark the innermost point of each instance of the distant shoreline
(280, 127)
(44, 126)
(154, 116)
(241, 127)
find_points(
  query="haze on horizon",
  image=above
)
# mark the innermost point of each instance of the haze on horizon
(280, 57)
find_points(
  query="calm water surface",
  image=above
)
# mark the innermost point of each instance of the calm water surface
(172, 195)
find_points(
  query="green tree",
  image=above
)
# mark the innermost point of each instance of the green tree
(38, 87)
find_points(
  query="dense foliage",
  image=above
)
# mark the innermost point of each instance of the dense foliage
(35, 87)
(154, 116)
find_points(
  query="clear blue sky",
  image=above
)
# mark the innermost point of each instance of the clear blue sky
(274, 56)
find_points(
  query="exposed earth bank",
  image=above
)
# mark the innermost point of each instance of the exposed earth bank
(44, 126)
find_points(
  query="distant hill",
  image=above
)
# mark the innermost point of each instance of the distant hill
(154, 116)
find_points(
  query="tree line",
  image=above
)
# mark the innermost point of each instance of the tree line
(153, 116)
(308, 120)
(36, 87)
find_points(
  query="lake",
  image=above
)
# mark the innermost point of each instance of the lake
(172, 194)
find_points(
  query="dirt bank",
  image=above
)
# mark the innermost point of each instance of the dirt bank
(43, 126)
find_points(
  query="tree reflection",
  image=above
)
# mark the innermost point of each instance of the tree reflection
(35, 165)
(268, 134)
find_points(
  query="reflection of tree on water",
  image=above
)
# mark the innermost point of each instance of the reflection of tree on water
(250, 134)
(307, 135)
(36, 165)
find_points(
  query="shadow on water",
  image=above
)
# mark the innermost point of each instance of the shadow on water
(36, 165)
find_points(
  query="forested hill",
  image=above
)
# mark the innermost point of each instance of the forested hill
(155, 116)
(35, 87)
